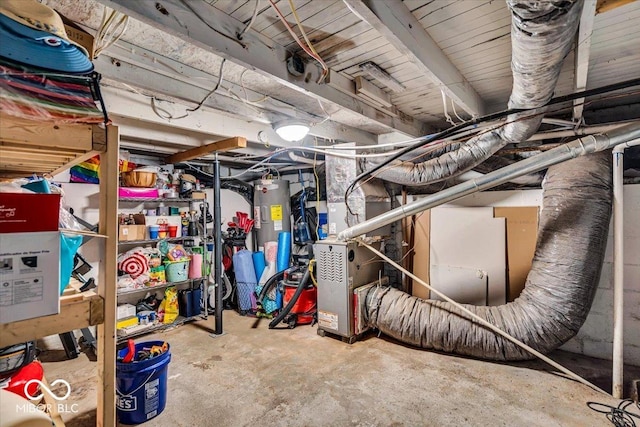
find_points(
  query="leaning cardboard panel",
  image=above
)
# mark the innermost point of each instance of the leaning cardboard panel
(522, 227)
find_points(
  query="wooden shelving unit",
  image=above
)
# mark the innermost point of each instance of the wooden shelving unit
(28, 147)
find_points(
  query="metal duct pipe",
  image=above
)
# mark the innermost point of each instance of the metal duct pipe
(542, 34)
(576, 148)
(559, 290)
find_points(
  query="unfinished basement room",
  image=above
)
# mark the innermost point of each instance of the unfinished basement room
(310, 213)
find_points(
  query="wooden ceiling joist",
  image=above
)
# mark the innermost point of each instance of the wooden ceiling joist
(222, 145)
(607, 5)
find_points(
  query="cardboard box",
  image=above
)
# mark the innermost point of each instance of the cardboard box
(126, 311)
(78, 35)
(29, 275)
(125, 323)
(522, 233)
(28, 213)
(127, 233)
(421, 253)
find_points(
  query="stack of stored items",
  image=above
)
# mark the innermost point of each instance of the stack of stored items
(147, 267)
(44, 75)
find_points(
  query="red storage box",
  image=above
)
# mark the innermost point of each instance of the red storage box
(28, 213)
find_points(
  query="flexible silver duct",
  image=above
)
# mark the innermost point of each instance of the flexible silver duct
(559, 289)
(542, 34)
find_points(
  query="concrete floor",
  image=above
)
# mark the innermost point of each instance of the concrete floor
(255, 376)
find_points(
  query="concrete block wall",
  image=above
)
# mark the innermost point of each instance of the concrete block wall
(595, 338)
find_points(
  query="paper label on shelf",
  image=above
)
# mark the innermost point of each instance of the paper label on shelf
(276, 213)
(277, 225)
(327, 320)
(332, 228)
(29, 275)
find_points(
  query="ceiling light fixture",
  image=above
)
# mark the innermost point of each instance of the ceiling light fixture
(291, 130)
(375, 72)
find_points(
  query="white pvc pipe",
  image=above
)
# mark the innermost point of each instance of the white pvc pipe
(589, 130)
(618, 268)
(570, 150)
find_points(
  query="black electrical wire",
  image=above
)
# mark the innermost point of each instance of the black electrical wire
(617, 415)
(488, 117)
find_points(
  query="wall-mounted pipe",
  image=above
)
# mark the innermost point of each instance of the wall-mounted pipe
(578, 147)
(618, 268)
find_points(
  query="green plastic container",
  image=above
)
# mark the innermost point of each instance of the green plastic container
(176, 271)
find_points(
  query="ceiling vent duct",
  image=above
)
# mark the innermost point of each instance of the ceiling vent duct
(542, 34)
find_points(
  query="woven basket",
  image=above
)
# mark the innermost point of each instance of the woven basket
(138, 179)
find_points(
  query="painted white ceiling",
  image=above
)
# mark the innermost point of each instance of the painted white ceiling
(176, 61)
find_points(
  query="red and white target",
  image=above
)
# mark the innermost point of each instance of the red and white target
(134, 264)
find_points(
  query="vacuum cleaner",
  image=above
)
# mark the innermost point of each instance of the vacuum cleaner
(299, 297)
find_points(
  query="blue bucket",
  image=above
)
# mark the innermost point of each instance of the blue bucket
(141, 386)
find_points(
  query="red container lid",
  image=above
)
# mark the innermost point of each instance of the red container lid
(28, 213)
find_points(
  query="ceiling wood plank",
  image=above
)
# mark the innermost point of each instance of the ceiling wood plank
(583, 52)
(210, 29)
(399, 26)
(193, 153)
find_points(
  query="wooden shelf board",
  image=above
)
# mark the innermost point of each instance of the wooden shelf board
(28, 147)
(74, 314)
(180, 320)
(162, 286)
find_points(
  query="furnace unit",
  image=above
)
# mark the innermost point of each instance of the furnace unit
(342, 267)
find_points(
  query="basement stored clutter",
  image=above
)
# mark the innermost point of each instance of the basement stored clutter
(196, 196)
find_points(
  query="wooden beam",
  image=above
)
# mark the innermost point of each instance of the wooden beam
(395, 22)
(583, 51)
(77, 160)
(223, 145)
(368, 89)
(211, 124)
(347, 86)
(28, 147)
(28, 132)
(106, 332)
(607, 5)
(255, 52)
(73, 315)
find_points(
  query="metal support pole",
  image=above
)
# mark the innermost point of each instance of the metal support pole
(217, 245)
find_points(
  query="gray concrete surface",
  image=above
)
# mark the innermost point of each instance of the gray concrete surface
(255, 376)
